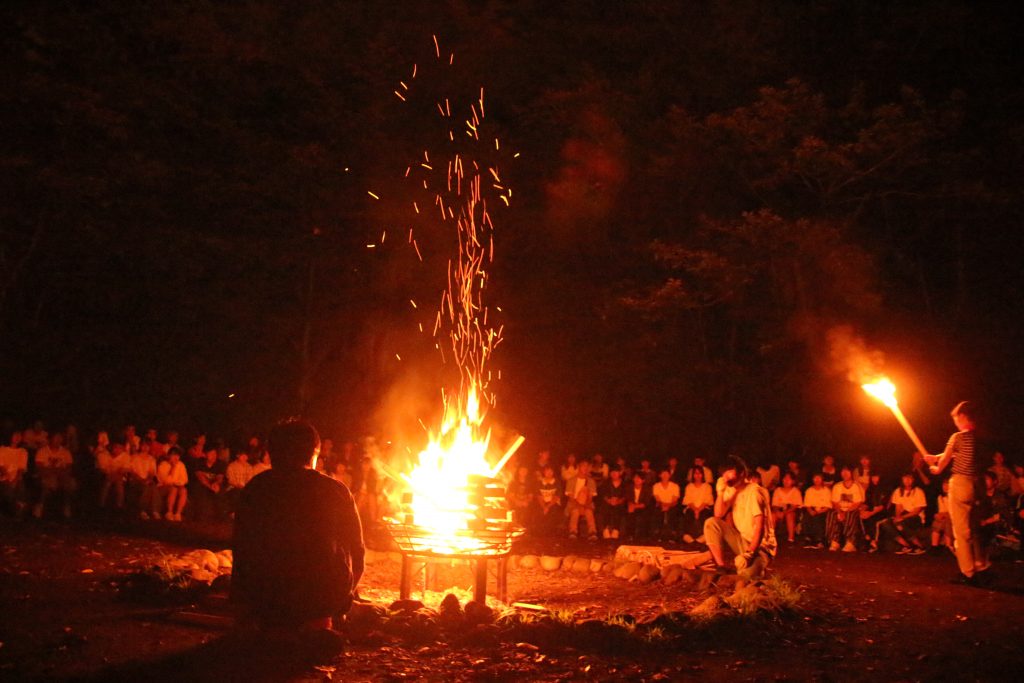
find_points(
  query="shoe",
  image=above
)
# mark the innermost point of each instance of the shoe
(873, 548)
(700, 539)
(606, 534)
(904, 550)
(572, 537)
(144, 515)
(156, 515)
(849, 547)
(687, 538)
(592, 537)
(37, 511)
(964, 580)
(615, 533)
(833, 547)
(917, 551)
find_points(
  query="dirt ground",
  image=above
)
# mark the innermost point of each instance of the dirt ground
(870, 617)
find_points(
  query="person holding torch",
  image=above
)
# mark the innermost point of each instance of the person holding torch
(966, 453)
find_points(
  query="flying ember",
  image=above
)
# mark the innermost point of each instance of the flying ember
(445, 479)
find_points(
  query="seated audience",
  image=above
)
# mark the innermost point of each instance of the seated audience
(172, 485)
(338, 473)
(666, 498)
(698, 461)
(843, 523)
(829, 473)
(649, 475)
(613, 504)
(115, 467)
(639, 504)
(1004, 475)
(549, 501)
(236, 476)
(264, 464)
(786, 503)
(569, 469)
(599, 469)
(769, 475)
(580, 492)
(13, 466)
(519, 496)
(797, 472)
(942, 526)
(698, 501)
(365, 490)
(875, 510)
(208, 487)
(907, 521)
(53, 466)
(142, 484)
(862, 473)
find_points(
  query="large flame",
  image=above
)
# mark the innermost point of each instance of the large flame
(442, 498)
(884, 390)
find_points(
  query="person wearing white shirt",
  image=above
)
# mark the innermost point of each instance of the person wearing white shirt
(142, 484)
(115, 467)
(817, 505)
(13, 464)
(786, 502)
(173, 481)
(907, 521)
(742, 523)
(53, 464)
(844, 522)
(698, 500)
(666, 501)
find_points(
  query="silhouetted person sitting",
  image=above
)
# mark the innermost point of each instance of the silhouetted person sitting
(298, 541)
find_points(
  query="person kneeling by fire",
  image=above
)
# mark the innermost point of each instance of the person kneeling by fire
(742, 525)
(298, 546)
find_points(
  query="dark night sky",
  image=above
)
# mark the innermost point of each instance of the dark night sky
(704, 191)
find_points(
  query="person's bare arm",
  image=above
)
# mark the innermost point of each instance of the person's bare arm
(758, 536)
(939, 462)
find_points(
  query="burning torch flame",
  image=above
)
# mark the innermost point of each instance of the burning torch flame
(885, 391)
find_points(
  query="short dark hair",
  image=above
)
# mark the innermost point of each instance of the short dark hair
(292, 443)
(735, 462)
(967, 409)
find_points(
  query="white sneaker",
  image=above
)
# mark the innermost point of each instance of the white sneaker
(834, 546)
(849, 547)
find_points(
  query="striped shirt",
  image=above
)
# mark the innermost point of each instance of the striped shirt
(962, 446)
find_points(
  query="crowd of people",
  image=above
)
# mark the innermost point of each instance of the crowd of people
(151, 476)
(841, 507)
(838, 506)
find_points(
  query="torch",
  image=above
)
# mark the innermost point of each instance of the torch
(885, 391)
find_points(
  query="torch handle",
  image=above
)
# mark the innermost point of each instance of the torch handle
(909, 430)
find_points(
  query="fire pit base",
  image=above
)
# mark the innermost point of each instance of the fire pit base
(479, 564)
